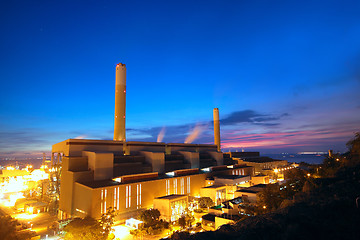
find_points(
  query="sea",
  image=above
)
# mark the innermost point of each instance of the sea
(297, 158)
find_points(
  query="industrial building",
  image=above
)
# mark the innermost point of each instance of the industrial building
(131, 176)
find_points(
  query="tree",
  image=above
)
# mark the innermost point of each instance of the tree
(8, 229)
(152, 223)
(107, 220)
(182, 221)
(186, 219)
(84, 228)
(206, 202)
(149, 216)
(270, 198)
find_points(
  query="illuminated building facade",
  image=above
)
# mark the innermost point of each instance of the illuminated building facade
(94, 179)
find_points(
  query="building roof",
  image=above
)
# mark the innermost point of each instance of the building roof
(233, 217)
(172, 197)
(237, 200)
(36, 204)
(215, 186)
(209, 217)
(100, 183)
(261, 185)
(261, 160)
(248, 191)
(231, 176)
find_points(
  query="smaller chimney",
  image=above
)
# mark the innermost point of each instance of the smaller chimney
(217, 129)
(330, 153)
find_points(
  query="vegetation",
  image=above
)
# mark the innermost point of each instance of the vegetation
(152, 223)
(198, 210)
(206, 202)
(107, 220)
(322, 205)
(149, 216)
(84, 228)
(9, 229)
(186, 219)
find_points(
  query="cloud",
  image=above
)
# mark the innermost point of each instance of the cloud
(251, 116)
(179, 133)
(323, 138)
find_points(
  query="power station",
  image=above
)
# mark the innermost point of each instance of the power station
(131, 176)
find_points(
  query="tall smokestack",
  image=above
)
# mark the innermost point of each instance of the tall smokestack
(217, 129)
(120, 103)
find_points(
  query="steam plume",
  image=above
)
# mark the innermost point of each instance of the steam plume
(81, 137)
(161, 135)
(194, 134)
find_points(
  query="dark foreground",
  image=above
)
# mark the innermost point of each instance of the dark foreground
(328, 211)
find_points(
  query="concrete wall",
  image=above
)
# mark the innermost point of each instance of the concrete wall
(236, 181)
(149, 191)
(77, 164)
(163, 205)
(101, 164)
(192, 158)
(67, 180)
(218, 156)
(156, 159)
(83, 197)
(134, 148)
(260, 180)
(176, 147)
(75, 147)
(252, 197)
(211, 193)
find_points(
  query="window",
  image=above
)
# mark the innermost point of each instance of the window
(128, 197)
(105, 201)
(175, 186)
(182, 185)
(115, 196)
(167, 182)
(102, 201)
(103, 195)
(188, 185)
(138, 196)
(118, 194)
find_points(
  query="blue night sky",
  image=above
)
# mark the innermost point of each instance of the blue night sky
(285, 75)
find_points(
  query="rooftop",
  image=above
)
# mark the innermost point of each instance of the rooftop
(209, 217)
(215, 186)
(100, 183)
(248, 191)
(231, 176)
(261, 160)
(171, 197)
